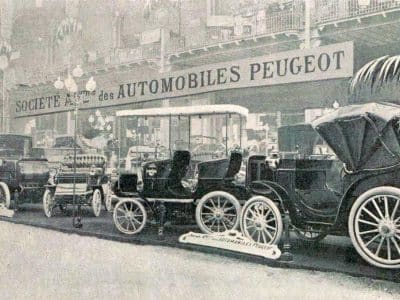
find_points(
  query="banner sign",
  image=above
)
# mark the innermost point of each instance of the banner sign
(231, 240)
(322, 63)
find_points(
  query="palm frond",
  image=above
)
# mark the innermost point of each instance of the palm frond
(377, 72)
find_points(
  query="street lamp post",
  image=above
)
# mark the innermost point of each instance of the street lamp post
(71, 86)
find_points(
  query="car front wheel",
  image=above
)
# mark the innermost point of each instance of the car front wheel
(129, 216)
(96, 202)
(48, 203)
(5, 197)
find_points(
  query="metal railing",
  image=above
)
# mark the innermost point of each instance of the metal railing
(273, 23)
(334, 10)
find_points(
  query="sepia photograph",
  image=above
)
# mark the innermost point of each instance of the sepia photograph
(200, 149)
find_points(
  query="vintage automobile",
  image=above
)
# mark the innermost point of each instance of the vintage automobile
(365, 138)
(88, 182)
(22, 177)
(170, 190)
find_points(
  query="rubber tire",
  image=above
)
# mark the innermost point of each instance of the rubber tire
(271, 204)
(7, 195)
(47, 212)
(232, 198)
(142, 209)
(353, 211)
(96, 195)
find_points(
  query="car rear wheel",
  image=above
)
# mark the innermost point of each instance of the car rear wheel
(374, 226)
(261, 221)
(5, 197)
(218, 212)
(48, 203)
(96, 202)
(129, 216)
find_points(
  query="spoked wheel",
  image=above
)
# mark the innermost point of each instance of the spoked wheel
(107, 199)
(217, 212)
(5, 197)
(261, 220)
(374, 226)
(96, 202)
(309, 235)
(48, 203)
(129, 216)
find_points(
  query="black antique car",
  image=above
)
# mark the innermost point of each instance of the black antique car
(174, 188)
(172, 191)
(366, 139)
(88, 182)
(22, 177)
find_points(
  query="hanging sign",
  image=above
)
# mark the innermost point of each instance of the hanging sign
(231, 240)
(117, 88)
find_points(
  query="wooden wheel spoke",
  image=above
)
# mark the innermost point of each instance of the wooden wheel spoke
(263, 237)
(133, 224)
(371, 214)
(212, 224)
(270, 227)
(230, 215)
(229, 221)
(395, 244)
(385, 201)
(269, 235)
(377, 208)
(229, 208)
(268, 213)
(212, 203)
(223, 223)
(136, 220)
(395, 209)
(379, 246)
(209, 208)
(369, 231)
(373, 239)
(225, 202)
(389, 250)
(368, 222)
(121, 210)
(209, 219)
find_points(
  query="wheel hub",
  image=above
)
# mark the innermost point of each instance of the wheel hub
(219, 214)
(259, 224)
(387, 228)
(129, 215)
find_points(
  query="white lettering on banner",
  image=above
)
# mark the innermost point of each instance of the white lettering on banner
(327, 62)
(231, 240)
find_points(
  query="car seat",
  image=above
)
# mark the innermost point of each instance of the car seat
(179, 168)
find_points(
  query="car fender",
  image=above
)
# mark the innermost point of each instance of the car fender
(283, 195)
(357, 188)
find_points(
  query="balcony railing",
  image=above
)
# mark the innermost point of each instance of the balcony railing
(334, 10)
(273, 23)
